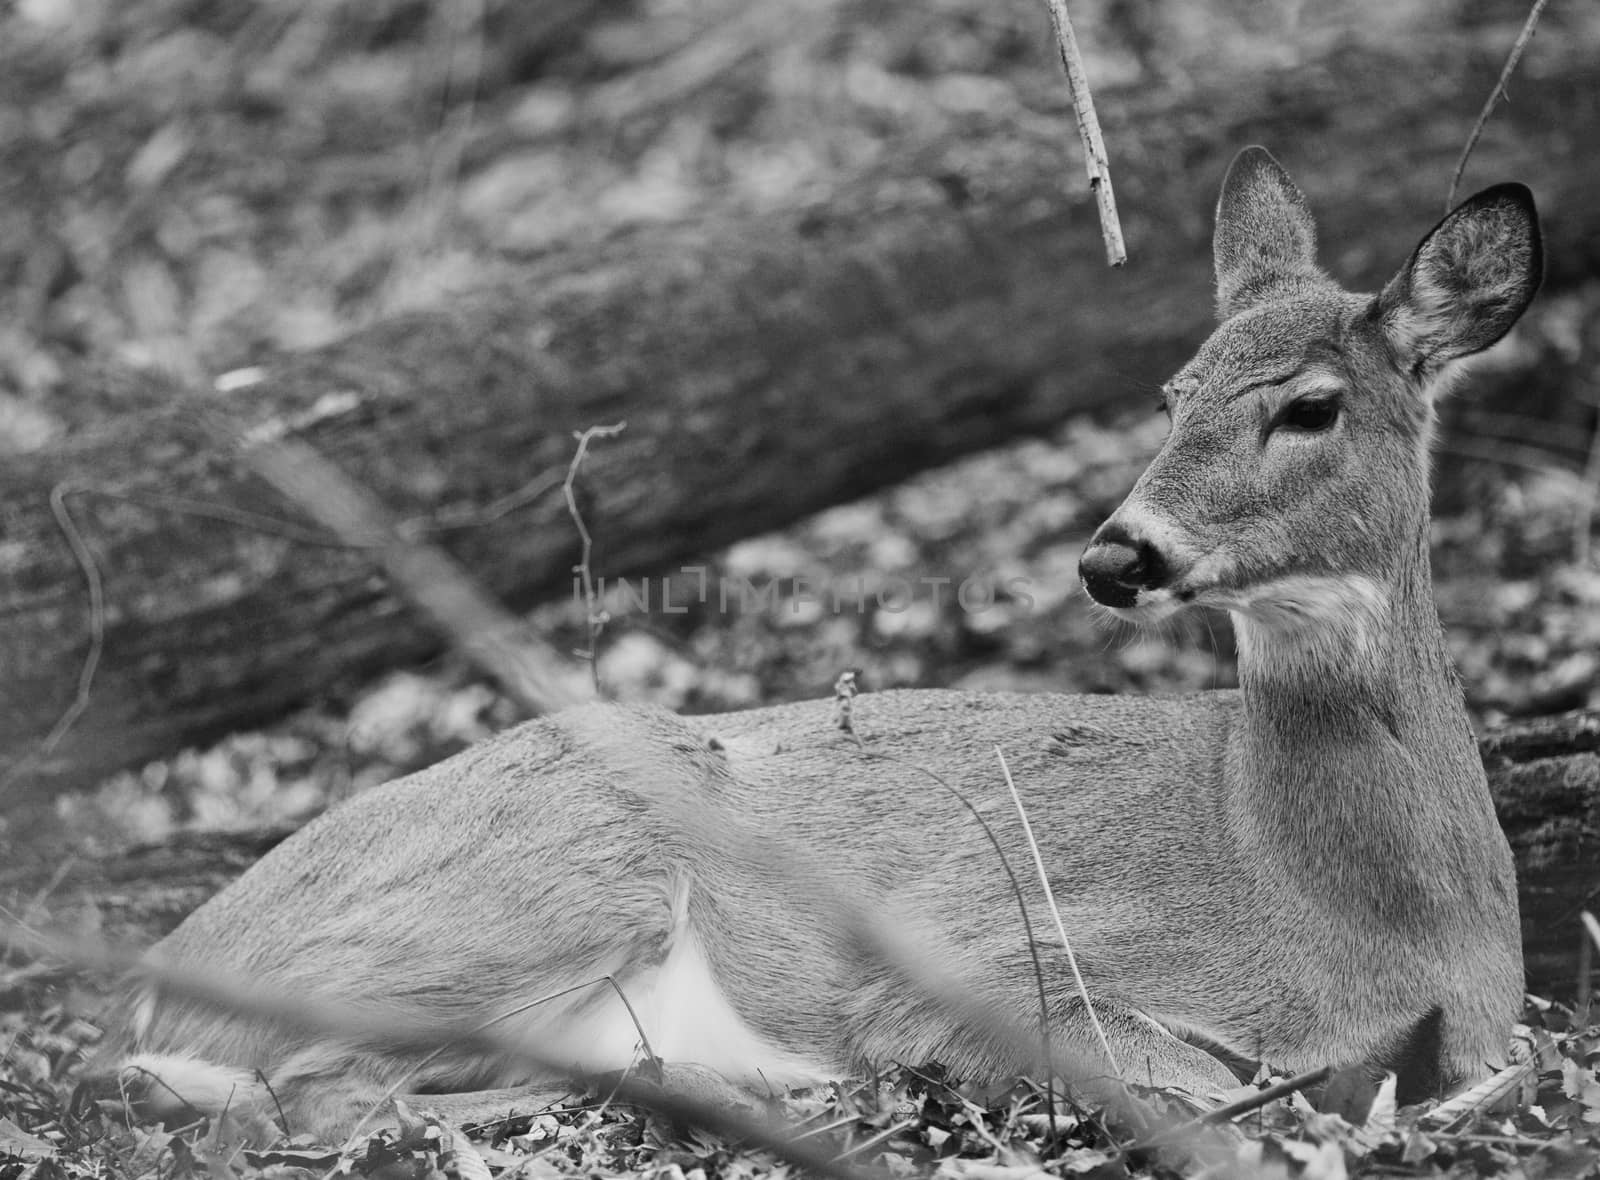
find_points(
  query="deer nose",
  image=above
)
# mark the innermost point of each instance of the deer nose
(1116, 566)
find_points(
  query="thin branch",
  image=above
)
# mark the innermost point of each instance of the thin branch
(1495, 96)
(473, 516)
(1233, 1110)
(597, 618)
(1094, 147)
(283, 1119)
(463, 27)
(888, 1132)
(1283, 1089)
(97, 638)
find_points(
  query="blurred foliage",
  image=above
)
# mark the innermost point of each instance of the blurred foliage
(189, 185)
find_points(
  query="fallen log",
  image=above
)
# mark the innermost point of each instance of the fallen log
(767, 365)
(1545, 774)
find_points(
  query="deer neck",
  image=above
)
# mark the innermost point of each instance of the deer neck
(1354, 766)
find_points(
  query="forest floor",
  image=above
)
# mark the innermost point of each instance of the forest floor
(191, 187)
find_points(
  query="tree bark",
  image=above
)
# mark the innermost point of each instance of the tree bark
(768, 366)
(1544, 774)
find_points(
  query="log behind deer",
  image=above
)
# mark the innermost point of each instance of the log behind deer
(1304, 871)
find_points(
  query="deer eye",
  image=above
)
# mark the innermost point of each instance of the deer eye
(1309, 414)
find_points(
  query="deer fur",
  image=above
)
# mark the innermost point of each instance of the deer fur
(1302, 872)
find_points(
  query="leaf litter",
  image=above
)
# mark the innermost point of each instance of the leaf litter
(904, 1122)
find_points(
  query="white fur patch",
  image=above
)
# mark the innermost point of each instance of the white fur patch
(683, 1010)
(1334, 620)
(686, 1014)
(144, 1013)
(165, 1084)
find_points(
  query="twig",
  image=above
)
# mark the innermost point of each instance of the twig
(710, 56)
(1094, 147)
(476, 517)
(1522, 1142)
(341, 1022)
(273, 526)
(463, 24)
(888, 1132)
(1495, 95)
(977, 1116)
(97, 638)
(597, 618)
(1226, 1114)
(283, 1119)
(823, 1128)
(1055, 913)
(68, 863)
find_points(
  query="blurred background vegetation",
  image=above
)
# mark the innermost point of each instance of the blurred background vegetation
(192, 187)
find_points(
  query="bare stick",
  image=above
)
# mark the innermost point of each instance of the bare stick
(1495, 96)
(97, 615)
(1250, 1102)
(1283, 1089)
(597, 618)
(97, 638)
(888, 1132)
(1094, 147)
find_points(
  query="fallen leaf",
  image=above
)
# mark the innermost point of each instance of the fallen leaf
(1319, 1161)
(1418, 1147)
(1582, 1087)
(15, 1141)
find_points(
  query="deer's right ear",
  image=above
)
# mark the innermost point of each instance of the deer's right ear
(1265, 238)
(1471, 278)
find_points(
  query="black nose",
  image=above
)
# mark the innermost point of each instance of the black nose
(1115, 567)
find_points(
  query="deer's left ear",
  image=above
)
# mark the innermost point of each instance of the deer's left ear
(1471, 278)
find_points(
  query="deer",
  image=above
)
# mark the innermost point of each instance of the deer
(1305, 870)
